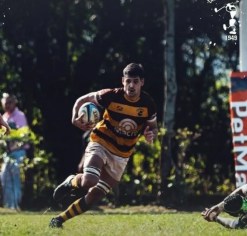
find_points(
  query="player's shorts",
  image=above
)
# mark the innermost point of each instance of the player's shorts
(114, 165)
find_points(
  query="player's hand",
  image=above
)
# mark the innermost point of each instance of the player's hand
(210, 214)
(78, 122)
(149, 135)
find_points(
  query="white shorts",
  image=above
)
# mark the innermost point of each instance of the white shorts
(114, 165)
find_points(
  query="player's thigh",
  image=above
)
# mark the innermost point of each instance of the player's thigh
(93, 160)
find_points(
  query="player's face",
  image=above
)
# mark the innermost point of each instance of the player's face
(132, 86)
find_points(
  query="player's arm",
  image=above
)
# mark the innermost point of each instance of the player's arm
(226, 222)
(241, 190)
(77, 120)
(211, 213)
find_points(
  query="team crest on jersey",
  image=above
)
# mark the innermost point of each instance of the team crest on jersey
(127, 127)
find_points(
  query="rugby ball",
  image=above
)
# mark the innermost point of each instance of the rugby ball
(90, 113)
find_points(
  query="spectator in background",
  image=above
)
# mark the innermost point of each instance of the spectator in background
(10, 170)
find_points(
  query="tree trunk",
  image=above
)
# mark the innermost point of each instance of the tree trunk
(169, 96)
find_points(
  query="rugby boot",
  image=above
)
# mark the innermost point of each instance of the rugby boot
(63, 189)
(56, 223)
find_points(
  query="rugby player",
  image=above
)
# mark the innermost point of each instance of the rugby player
(129, 112)
(235, 205)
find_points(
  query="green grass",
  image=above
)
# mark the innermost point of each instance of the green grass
(113, 223)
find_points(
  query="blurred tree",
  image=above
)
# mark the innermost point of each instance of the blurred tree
(170, 91)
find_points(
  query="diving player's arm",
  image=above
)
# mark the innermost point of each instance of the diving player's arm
(212, 215)
(241, 190)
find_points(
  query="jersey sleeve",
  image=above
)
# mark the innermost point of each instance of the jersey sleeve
(103, 97)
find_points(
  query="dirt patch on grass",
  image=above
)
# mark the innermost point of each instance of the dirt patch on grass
(136, 209)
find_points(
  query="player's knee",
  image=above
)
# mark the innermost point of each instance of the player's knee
(90, 177)
(89, 181)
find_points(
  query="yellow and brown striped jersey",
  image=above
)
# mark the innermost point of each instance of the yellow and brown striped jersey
(123, 120)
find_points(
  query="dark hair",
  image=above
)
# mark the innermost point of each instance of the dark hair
(233, 204)
(134, 70)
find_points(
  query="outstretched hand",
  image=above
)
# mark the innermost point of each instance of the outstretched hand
(210, 214)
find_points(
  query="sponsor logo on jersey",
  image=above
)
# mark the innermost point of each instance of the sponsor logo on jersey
(127, 127)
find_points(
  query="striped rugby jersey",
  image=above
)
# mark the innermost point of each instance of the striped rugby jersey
(123, 120)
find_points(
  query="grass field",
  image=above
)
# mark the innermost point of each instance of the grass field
(143, 221)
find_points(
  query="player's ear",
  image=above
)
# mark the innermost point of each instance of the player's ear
(142, 81)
